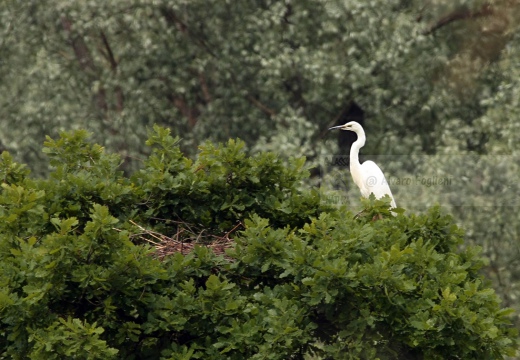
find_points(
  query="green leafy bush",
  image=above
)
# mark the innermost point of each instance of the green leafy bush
(301, 281)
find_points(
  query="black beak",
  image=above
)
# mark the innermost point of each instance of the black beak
(336, 127)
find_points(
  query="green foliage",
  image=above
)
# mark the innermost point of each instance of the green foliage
(223, 185)
(431, 77)
(11, 171)
(72, 339)
(397, 284)
(302, 280)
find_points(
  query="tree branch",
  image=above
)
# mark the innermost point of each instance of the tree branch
(187, 111)
(261, 106)
(485, 10)
(78, 45)
(109, 54)
(421, 11)
(205, 88)
(85, 60)
(172, 18)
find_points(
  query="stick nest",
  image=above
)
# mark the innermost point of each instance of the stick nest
(185, 240)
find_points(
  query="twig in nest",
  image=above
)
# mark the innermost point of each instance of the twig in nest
(185, 240)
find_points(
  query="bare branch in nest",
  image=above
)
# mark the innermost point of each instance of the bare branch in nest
(185, 240)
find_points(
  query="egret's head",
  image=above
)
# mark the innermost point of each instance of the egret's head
(352, 126)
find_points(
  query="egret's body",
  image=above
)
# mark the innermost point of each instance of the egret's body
(367, 176)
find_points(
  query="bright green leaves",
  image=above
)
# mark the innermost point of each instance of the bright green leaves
(10, 171)
(214, 285)
(84, 165)
(455, 313)
(83, 174)
(397, 280)
(377, 207)
(166, 155)
(223, 185)
(64, 226)
(21, 209)
(70, 338)
(101, 220)
(72, 151)
(299, 280)
(78, 266)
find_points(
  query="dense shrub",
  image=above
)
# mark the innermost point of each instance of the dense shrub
(301, 281)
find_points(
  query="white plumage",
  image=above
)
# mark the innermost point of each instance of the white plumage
(367, 176)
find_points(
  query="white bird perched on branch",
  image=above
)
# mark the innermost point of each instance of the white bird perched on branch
(367, 176)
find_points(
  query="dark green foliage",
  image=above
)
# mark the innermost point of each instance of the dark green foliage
(302, 281)
(223, 186)
(397, 284)
(424, 77)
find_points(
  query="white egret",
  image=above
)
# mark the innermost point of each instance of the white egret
(367, 176)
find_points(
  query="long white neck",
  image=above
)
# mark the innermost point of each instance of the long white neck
(354, 149)
(355, 166)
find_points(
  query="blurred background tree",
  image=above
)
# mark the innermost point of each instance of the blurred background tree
(428, 79)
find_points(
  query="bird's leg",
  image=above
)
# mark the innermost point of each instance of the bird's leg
(377, 217)
(374, 218)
